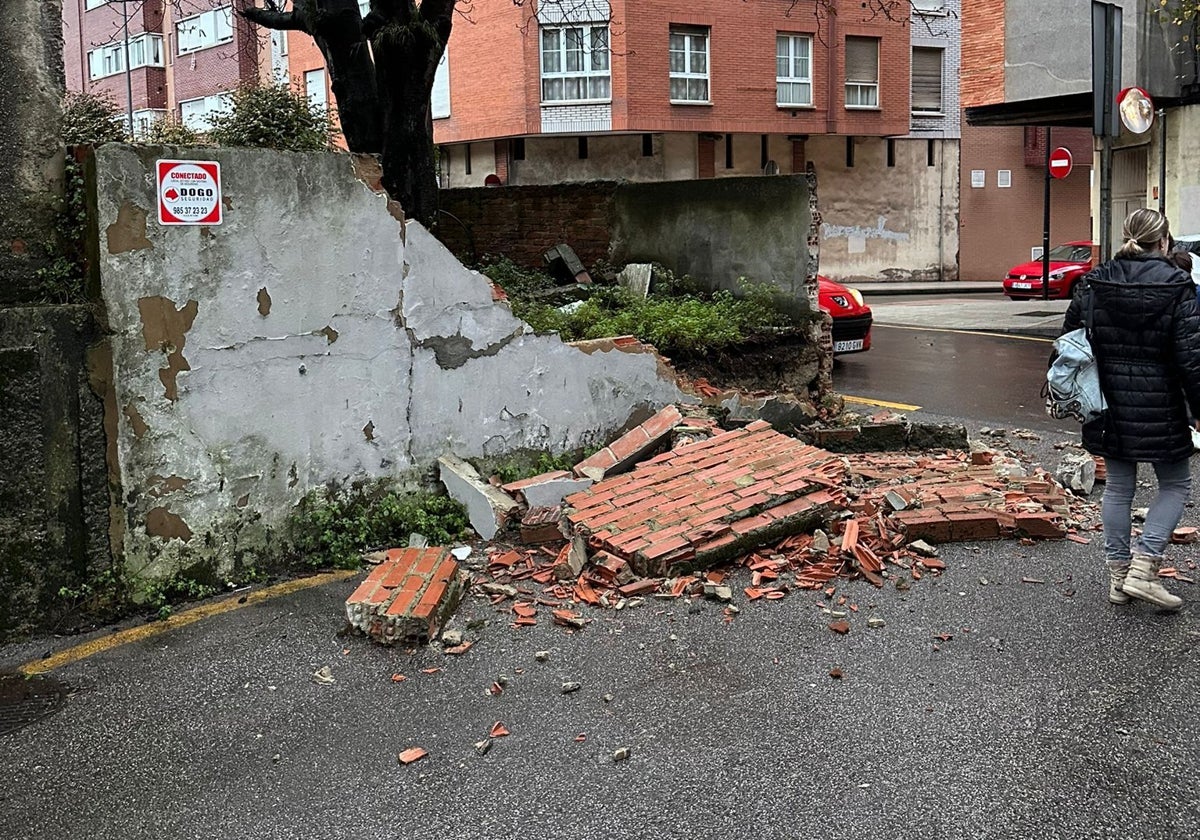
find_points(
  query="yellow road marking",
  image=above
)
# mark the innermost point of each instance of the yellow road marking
(969, 332)
(145, 631)
(882, 403)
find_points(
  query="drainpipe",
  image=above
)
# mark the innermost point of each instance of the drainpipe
(830, 86)
(942, 212)
(1162, 162)
(128, 70)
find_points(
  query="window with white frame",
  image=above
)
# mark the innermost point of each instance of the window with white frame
(145, 50)
(197, 114)
(929, 6)
(575, 63)
(144, 118)
(793, 70)
(439, 98)
(204, 30)
(93, 4)
(862, 72)
(689, 64)
(926, 80)
(314, 88)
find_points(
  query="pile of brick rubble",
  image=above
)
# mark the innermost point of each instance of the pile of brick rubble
(670, 508)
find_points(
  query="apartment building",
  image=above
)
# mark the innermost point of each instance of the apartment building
(185, 57)
(647, 90)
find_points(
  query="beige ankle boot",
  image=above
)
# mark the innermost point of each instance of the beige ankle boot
(1142, 582)
(1116, 582)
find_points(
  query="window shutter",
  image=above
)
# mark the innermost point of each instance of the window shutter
(862, 60)
(926, 79)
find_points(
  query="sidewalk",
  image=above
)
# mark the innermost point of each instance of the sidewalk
(879, 288)
(1034, 318)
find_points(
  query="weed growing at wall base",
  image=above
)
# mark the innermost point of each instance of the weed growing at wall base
(678, 317)
(335, 528)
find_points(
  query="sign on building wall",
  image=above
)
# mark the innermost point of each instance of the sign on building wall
(189, 192)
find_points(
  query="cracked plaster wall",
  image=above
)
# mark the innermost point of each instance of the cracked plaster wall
(308, 339)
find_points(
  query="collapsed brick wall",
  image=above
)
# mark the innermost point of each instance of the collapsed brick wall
(525, 222)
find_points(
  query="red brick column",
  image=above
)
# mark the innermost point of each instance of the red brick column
(502, 152)
(706, 157)
(799, 157)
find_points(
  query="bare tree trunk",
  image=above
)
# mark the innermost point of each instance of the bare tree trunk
(408, 165)
(336, 26)
(407, 50)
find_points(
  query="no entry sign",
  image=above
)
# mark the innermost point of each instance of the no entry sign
(1061, 163)
(189, 192)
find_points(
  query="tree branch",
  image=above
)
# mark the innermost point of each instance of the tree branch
(272, 19)
(433, 11)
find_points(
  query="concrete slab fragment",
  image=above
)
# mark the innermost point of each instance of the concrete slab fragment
(489, 508)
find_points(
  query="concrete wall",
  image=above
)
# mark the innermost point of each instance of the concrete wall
(888, 222)
(1048, 53)
(310, 339)
(31, 156)
(1183, 179)
(718, 231)
(54, 496)
(880, 221)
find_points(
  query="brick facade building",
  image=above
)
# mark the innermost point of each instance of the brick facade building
(1003, 170)
(185, 56)
(665, 89)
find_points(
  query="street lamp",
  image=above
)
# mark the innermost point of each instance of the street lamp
(128, 71)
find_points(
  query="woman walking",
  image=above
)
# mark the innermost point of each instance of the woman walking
(1146, 336)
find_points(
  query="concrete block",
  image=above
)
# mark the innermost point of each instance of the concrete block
(937, 436)
(548, 489)
(489, 508)
(636, 278)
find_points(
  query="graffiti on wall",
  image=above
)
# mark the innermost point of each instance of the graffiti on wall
(856, 236)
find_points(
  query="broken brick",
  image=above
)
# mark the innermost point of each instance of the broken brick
(541, 525)
(412, 754)
(408, 596)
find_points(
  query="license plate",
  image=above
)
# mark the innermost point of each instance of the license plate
(1022, 285)
(847, 346)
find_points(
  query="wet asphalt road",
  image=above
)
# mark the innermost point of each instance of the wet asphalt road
(993, 380)
(1048, 714)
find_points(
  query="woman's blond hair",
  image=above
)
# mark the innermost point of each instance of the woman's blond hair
(1144, 230)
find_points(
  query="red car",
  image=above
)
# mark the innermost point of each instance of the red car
(1068, 263)
(851, 317)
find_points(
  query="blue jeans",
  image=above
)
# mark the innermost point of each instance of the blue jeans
(1174, 486)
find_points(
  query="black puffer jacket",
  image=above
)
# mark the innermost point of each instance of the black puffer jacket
(1146, 334)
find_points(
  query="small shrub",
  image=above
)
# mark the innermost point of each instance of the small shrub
(169, 131)
(543, 462)
(677, 324)
(61, 278)
(329, 529)
(517, 281)
(272, 116)
(92, 118)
